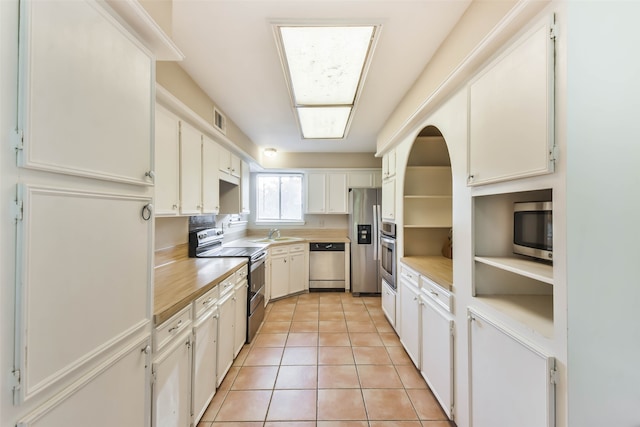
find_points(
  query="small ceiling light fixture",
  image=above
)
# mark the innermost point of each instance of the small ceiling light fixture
(325, 68)
(270, 152)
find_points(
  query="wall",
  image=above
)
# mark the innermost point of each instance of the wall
(602, 213)
(321, 160)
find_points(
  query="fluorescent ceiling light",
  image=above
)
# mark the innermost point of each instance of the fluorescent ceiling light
(325, 67)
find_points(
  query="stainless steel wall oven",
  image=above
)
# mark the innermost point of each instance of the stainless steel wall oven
(388, 253)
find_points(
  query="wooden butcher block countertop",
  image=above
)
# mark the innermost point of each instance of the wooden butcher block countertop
(179, 279)
(437, 268)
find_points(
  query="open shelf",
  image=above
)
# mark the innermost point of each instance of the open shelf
(524, 267)
(534, 311)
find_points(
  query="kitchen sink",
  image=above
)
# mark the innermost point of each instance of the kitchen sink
(277, 239)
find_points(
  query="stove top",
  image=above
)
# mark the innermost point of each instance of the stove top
(229, 252)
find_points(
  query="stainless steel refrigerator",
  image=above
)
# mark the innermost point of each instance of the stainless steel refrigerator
(364, 226)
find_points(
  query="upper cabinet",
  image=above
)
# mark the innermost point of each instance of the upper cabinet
(389, 165)
(245, 188)
(167, 162)
(327, 193)
(210, 185)
(511, 112)
(230, 164)
(365, 179)
(86, 95)
(190, 170)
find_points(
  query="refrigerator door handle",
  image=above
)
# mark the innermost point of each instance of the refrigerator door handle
(376, 237)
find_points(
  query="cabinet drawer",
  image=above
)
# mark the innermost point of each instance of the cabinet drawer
(436, 293)
(206, 301)
(279, 250)
(241, 274)
(171, 328)
(227, 285)
(300, 247)
(409, 275)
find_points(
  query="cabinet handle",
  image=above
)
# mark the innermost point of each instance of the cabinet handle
(150, 174)
(433, 292)
(147, 210)
(176, 327)
(285, 260)
(146, 349)
(207, 301)
(415, 298)
(174, 206)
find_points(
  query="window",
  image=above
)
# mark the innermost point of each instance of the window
(279, 198)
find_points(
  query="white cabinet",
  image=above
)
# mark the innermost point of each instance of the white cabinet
(205, 350)
(437, 351)
(365, 179)
(289, 269)
(240, 323)
(190, 170)
(210, 184)
(389, 302)
(167, 162)
(226, 334)
(229, 165)
(410, 313)
(511, 380)
(171, 394)
(389, 199)
(389, 165)
(327, 193)
(245, 188)
(511, 112)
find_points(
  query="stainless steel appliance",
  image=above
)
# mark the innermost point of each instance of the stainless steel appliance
(326, 266)
(533, 230)
(388, 253)
(207, 243)
(364, 225)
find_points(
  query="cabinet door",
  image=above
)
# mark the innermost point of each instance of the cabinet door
(172, 385)
(240, 324)
(316, 193)
(224, 161)
(210, 181)
(389, 302)
(389, 199)
(510, 379)
(86, 100)
(279, 276)
(190, 170)
(337, 194)
(437, 353)
(389, 165)
(410, 321)
(167, 156)
(245, 188)
(204, 362)
(298, 267)
(511, 112)
(226, 336)
(236, 165)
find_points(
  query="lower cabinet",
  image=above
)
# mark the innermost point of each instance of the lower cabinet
(240, 323)
(289, 269)
(171, 369)
(437, 351)
(389, 302)
(226, 338)
(511, 381)
(205, 350)
(410, 315)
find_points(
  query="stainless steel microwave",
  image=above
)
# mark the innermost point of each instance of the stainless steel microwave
(533, 230)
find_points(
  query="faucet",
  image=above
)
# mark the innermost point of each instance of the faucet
(272, 232)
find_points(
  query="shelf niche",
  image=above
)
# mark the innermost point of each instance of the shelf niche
(427, 195)
(515, 285)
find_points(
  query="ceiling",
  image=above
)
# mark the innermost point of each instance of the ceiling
(231, 54)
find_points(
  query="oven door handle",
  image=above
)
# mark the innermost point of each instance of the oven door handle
(255, 263)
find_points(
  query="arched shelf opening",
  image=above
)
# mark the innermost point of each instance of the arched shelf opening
(427, 196)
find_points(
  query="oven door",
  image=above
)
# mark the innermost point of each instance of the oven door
(388, 260)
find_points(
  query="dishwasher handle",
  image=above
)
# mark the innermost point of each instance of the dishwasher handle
(326, 247)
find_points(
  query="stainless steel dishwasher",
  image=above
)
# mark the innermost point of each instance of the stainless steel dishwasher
(326, 266)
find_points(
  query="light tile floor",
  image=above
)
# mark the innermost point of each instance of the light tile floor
(324, 359)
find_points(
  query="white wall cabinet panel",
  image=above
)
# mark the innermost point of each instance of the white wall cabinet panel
(86, 96)
(327, 193)
(512, 386)
(167, 162)
(511, 113)
(389, 199)
(123, 378)
(190, 170)
(172, 384)
(410, 320)
(338, 193)
(210, 184)
(229, 164)
(245, 188)
(66, 294)
(316, 191)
